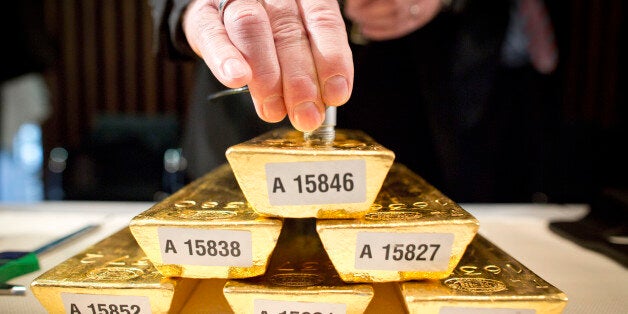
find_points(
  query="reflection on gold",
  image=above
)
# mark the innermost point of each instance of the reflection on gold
(283, 175)
(207, 230)
(412, 231)
(113, 275)
(207, 298)
(300, 278)
(486, 278)
(387, 299)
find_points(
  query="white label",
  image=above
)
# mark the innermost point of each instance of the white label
(477, 310)
(316, 182)
(403, 251)
(287, 307)
(185, 246)
(104, 304)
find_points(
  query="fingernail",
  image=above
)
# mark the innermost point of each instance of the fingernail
(307, 117)
(234, 68)
(336, 90)
(273, 108)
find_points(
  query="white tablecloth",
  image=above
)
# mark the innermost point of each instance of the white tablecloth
(593, 283)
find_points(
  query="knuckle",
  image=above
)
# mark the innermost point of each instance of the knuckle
(325, 17)
(246, 14)
(300, 87)
(245, 22)
(287, 29)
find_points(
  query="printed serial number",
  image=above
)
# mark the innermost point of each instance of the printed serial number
(411, 252)
(76, 303)
(312, 183)
(212, 248)
(279, 307)
(403, 251)
(316, 182)
(101, 308)
(191, 246)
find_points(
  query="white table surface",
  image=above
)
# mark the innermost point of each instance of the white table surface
(593, 283)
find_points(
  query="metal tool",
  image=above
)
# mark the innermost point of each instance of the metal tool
(17, 263)
(6, 289)
(325, 133)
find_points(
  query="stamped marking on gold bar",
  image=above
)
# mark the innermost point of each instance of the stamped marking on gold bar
(289, 307)
(206, 247)
(316, 182)
(112, 304)
(475, 285)
(403, 251)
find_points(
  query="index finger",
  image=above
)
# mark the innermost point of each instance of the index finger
(208, 38)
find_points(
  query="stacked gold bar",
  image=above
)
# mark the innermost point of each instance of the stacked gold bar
(300, 278)
(487, 280)
(297, 226)
(113, 275)
(283, 175)
(412, 231)
(207, 230)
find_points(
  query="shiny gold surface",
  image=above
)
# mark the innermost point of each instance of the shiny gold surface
(300, 278)
(208, 298)
(387, 299)
(113, 269)
(486, 278)
(199, 223)
(351, 158)
(410, 215)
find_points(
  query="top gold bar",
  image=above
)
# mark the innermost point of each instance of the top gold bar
(283, 175)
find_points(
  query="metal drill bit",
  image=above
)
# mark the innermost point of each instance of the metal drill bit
(326, 133)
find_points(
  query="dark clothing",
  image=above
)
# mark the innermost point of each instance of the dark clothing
(27, 48)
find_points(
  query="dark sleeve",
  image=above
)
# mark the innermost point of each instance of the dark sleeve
(168, 37)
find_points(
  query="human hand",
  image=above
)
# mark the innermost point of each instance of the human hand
(293, 54)
(390, 19)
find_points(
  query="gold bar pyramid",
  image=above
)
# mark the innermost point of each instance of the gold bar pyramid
(289, 226)
(207, 230)
(487, 280)
(112, 275)
(282, 175)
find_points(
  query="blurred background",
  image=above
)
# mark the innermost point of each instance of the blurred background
(89, 112)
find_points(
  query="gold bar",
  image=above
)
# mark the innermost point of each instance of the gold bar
(112, 275)
(207, 230)
(282, 175)
(208, 298)
(412, 231)
(487, 280)
(300, 278)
